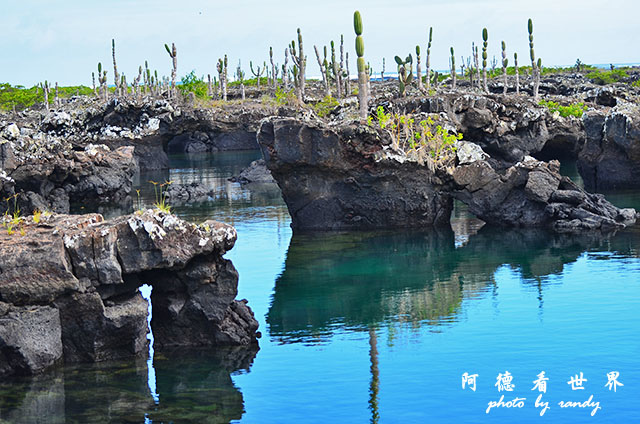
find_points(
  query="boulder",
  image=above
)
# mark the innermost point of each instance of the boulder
(532, 193)
(610, 157)
(69, 288)
(256, 172)
(349, 176)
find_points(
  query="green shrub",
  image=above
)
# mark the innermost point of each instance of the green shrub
(20, 98)
(576, 109)
(428, 140)
(325, 106)
(607, 77)
(190, 83)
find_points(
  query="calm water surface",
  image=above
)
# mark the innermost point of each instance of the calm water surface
(379, 326)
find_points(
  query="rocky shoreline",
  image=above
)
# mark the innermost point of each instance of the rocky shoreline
(69, 284)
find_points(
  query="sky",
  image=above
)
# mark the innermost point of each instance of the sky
(62, 41)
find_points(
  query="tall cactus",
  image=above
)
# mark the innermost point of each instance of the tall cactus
(485, 43)
(428, 62)
(383, 70)
(515, 63)
(363, 95)
(323, 69)
(336, 71)
(258, 71)
(505, 62)
(222, 74)
(93, 82)
(418, 69)
(405, 75)
(116, 76)
(299, 60)
(45, 92)
(476, 58)
(453, 67)
(240, 77)
(534, 67)
(348, 84)
(285, 80)
(341, 73)
(274, 80)
(173, 54)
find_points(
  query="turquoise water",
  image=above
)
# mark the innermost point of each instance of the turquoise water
(380, 326)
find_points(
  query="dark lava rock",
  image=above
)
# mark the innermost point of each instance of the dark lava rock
(534, 194)
(610, 157)
(96, 174)
(340, 177)
(256, 172)
(69, 288)
(186, 193)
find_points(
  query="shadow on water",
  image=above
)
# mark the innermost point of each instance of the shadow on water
(362, 280)
(194, 386)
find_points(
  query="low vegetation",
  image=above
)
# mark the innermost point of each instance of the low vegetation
(575, 109)
(427, 140)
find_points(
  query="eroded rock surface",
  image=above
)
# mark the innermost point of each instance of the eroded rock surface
(532, 193)
(76, 279)
(611, 155)
(338, 178)
(349, 176)
(96, 174)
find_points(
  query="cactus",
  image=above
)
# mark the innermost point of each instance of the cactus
(285, 79)
(383, 69)
(116, 76)
(300, 61)
(323, 69)
(453, 67)
(93, 82)
(274, 81)
(136, 82)
(505, 62)
(476, 61)
(341, 69)
(45, 92)
(336, 71)
(240, 76)
(173, 53)
(515, 63)
(532, 54)
(485, 43)
(428, 62)
(405, 75)
(225, 81)
(56, 100)
(363, 94)
(418, 69)
(257, 72)
(102, 81)
(348, 75)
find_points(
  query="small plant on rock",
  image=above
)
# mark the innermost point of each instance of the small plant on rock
(160, 191)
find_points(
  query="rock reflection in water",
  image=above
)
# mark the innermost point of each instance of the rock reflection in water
(359, 280)
(194, 386)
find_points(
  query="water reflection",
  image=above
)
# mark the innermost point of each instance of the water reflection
(347, 280)
(195, 385)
